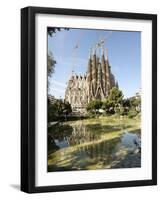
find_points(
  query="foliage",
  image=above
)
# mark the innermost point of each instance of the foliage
(52, 30)
(116, 104)
(135, 101)
(132, 113)
(113, 103)
(115, 96)
(50, 63)
(94, 105)
(108, 106)
(126, 103)
(67, 108)
(58, 110)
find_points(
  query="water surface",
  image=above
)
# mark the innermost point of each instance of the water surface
(94, 144)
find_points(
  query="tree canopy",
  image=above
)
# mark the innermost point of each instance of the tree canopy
(52, 30)
(115, 96)
(116, 104)
(50, 63)
(94, 105)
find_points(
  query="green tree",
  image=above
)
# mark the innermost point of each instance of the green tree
(52, 112)
(136, 102)
(52, 30)
(108, 106)
(50, 63)
(132, 112)
(58, 109)
(126, 105)
(67, 108)
(115, 96)
(94, 105)
(115, 100)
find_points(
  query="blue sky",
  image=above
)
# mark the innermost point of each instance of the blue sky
(124, 53)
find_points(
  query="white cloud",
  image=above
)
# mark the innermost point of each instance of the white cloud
(58, 83)
(57, 90)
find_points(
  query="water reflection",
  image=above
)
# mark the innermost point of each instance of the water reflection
(80, 145)
(74, 134)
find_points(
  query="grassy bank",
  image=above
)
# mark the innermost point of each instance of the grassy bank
(95, 116)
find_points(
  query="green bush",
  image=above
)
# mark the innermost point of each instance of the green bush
(94, 105)
(132, 113)
(58, 109)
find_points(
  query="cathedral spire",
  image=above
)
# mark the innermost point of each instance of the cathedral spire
(102, 52)
(90, 53)
(103, 66)
(108, 71)
(89, 71)
(93, 51)
(106, 54)
(116, 84)
(96, 84)
(99, 72)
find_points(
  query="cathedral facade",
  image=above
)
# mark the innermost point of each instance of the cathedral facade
(96, 84)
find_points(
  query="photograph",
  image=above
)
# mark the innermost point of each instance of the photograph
(93, 99)
(89, 99)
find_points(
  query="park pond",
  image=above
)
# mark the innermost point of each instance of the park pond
(102, 143)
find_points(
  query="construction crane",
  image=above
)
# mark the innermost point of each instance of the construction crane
(74, 53)
(101, 42)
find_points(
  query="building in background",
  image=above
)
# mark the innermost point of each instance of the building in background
(52, 99)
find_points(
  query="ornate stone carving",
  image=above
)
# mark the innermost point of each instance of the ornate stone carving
(96, 84)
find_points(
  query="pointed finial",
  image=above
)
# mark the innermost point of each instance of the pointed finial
(106, 53)
(116, 84)
(90, 52)
(102, 51)
(94, 51)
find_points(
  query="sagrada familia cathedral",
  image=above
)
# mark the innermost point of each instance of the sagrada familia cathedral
(96, 84)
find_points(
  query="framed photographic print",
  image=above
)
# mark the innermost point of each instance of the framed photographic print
(88, 99)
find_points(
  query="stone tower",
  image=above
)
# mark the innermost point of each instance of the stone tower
(96, 84)
(100, 79)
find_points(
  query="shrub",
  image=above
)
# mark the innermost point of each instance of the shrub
(132, 113)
